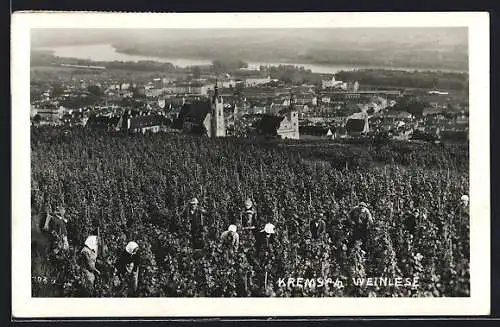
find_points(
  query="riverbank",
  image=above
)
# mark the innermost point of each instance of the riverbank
(109, 53)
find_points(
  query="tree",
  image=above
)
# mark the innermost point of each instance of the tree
(411, 105)
(416, 107)
(238, 89)
(95, 90)
(126, 102)
(222, 66)
(139, 92)
(57, 90)
(196, 71)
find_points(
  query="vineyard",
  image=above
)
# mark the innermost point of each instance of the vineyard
(133, 186)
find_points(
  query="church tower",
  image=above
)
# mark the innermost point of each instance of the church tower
(293, 118)
(217, 115)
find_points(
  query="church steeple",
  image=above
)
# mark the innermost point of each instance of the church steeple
(217, 116)
(216, 92)
(292, 101)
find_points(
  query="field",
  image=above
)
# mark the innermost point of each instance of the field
(133, 186)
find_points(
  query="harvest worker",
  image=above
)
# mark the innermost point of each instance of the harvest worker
(462, 213)
(127, 267)
(361, 222)
(410, 219)
(265, 253)
(293, 226)
(194, 214)
(464, 201)
(265, 239)
(318, 227)
(87, 262)
(230, 241)
(56, 224)
(249, 216)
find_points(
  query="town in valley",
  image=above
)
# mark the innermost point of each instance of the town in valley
(285, 102)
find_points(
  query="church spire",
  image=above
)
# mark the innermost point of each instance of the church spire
(216, 92)
(292, 101)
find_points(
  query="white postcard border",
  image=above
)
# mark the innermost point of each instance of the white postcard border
(23, 305)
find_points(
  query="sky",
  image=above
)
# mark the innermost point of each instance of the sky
(361, 36)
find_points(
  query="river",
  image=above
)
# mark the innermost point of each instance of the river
(106, 52)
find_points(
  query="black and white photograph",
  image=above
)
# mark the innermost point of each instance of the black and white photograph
(227, 157)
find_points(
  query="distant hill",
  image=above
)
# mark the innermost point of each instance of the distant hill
(444, 48)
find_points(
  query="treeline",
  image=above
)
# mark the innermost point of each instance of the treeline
(412, 105)
(292, 74)
(40, 58)
(142, 66)
(366, 154)
(226, 65)
(401, 78)
(389, 55)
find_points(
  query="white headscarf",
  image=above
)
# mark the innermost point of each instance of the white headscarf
(248, 204)
(131, 247)
(269, 228)
(464, 200)
(232, 228)
(91, 243)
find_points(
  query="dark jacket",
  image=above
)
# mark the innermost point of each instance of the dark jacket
(195, 218)
(264, 243)
(293, 227)
(197, 222)
(249, 221)
(56, 224)
(318, 227)
(59, 226)
(126, 258)
(410, 221)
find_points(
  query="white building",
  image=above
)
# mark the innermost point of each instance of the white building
(289, 126)
(204, 89)
(228, 83)
(216, 116)
(249, 82)
(355, 86)
(332, 84)
(325, 99)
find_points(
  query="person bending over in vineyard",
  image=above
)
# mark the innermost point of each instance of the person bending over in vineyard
(361, 223)
(127, 267)
(87, 262)
(318, 227)
(56, 224)
(194, 214)
(230, 242)
(265, 240)
(265, 252)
